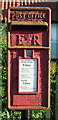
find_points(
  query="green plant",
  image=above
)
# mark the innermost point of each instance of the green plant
(53, 74)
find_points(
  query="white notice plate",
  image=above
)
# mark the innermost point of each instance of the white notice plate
(27, 75)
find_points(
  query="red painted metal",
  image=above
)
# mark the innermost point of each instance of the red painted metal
(37, 39)
(42, 92)
(29, 38)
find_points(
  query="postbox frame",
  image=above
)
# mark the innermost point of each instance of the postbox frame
(28, 47)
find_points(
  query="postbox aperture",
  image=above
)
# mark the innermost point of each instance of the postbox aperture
(28, 58)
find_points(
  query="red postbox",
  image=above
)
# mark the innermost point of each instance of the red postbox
(29, 58)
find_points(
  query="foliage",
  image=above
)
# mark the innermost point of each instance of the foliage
(4, 75)
(17, 114)
(38, 114)
(53, 73)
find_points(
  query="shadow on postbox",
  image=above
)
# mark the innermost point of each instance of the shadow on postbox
(28, 58)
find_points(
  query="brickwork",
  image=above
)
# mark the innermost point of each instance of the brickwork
(52, 5)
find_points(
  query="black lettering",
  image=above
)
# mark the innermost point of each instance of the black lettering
(27, 83)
